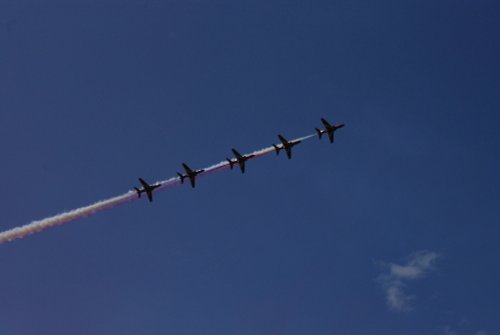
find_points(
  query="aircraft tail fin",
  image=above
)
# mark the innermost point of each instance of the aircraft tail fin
(320, 133)
(138, 191)
(277, 149)
(231, 163)
(181, 176)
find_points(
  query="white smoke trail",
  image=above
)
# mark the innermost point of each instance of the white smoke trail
(59, 219)
(37, 226)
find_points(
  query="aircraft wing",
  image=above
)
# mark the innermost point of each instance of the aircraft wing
(242, 166)
(192, 179)
(331, 136)
(236, 153)
(150, 196)
(288, 152)
(325, 123)
(143, 183)
(283, 140)
(188, 170)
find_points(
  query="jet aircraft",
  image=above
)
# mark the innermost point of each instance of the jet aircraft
(329, 129)
(240, 159)
(285, 145)
(148, 189)
(191, 174)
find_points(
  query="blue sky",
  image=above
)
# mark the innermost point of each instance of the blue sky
(94, 94)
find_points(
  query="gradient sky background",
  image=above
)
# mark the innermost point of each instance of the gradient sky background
(94, 94)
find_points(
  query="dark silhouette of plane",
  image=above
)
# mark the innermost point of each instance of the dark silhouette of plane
(329, 129)
(191, 174)
(148, 189)
(240, 159)
(285, 145)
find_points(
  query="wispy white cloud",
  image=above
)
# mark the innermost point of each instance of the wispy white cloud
(448, 330)
(396, 298)
(394, 279)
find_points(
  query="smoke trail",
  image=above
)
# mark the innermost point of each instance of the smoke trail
(37, 226)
